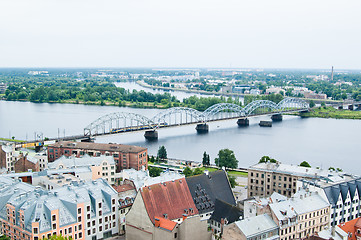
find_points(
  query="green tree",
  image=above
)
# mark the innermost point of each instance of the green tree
(197, 171)
(187, 172)
(154, 171)
(305, 164)
(3, 237)
(206, 159)
(162, 153)
(226, 158)
(232, 180)
(312, 104)
(264, 159)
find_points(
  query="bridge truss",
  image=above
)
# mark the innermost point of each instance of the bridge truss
(124, 122)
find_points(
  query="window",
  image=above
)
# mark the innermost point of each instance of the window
(100, 228)
(88, 208)
(70, 230)
(54, 226)
(79, 210)
(35, 230)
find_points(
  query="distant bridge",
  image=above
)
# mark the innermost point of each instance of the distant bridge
(119, 122)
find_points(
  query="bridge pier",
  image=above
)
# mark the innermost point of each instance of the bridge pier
(276, 117)
(265, 123)
(242, 122)
(151, 135)
(202, 128)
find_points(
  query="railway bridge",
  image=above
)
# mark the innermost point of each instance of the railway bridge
(120, 122)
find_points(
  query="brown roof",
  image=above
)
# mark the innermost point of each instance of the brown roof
(172, 198)
(99, 146)
(124, 187)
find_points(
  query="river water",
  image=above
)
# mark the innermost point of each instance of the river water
(321, 142)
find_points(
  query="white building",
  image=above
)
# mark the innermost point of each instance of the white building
(101, 167)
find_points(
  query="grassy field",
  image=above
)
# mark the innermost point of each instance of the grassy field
(330, 112)
(11, 140)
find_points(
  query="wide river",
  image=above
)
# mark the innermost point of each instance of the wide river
(321, 142)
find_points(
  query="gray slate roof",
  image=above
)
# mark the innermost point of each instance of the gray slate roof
(205, 189)
(333, 192)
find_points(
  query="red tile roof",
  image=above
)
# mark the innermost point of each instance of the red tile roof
(165, 223)
(171, 198)
(350, 227)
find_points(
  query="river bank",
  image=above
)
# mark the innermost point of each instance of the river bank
(330, 112)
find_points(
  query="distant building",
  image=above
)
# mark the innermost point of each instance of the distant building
(101, 167)
(3, 87)
(7, 157)
(260, 227)
(125, 156)
(266, 178)
(312, 95)
(255, 92)
(81, 211)
(275, 90)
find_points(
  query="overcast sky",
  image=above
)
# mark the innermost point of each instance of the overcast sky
(181, 33)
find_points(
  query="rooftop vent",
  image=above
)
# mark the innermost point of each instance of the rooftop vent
(165, 216)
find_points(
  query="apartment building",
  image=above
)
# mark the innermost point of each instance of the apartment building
(266, 178)
(101, 167)
(343, 194)
(7, 157)
(81, 211)
(304, 214)
(125, 156)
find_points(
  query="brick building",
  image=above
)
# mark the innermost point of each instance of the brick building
(83, 211)
(125, 156)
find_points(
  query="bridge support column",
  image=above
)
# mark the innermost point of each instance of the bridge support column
(276, 117)
(202, 128)
(265, 123)
(151, 135)
(242, 122)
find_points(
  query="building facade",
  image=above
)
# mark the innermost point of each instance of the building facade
(81, 211)
(266, 178)
(101, 167)
(300, 216)
(125, 156)
(343, 196)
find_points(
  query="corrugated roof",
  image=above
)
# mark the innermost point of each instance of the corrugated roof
(170, 199)
(205, 189)
(99, 146)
